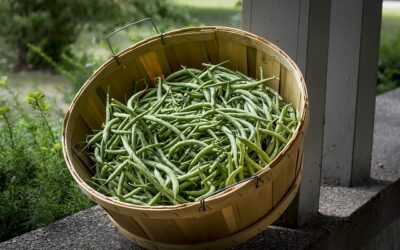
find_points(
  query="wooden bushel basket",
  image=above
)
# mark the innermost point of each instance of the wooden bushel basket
(226, 218)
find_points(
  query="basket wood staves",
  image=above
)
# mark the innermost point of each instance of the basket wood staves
(231, 216)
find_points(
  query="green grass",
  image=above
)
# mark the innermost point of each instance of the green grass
(208, 12)
(207, 4)
(390, 21)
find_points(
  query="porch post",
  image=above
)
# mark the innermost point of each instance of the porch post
(301, 29)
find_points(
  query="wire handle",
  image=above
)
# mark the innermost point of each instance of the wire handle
(127, 26)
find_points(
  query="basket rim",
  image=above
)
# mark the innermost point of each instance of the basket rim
(300, 130)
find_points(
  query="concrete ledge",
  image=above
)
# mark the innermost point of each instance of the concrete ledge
(366, 216)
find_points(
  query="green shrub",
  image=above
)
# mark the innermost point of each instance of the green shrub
(389, 62)
(36, 187)
(53, 25)
(76, 67)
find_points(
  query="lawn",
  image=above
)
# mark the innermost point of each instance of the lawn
(390, 21)
(208, 12)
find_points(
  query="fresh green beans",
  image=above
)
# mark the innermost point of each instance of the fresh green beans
(193, 133)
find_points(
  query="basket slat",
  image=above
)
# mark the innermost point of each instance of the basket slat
(235, 53)
(270, 67)
(212, 51)
(113, 81)
(129, 224)
(252, 67)
(263, 196)
(191, 55)
(151, 64)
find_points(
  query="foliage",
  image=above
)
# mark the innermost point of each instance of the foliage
(164, 13)
(53, 25)
(36, 187)
(50, 24)
(389, 62)
(74, 66)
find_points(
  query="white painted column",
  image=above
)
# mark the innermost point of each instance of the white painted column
(350, 97)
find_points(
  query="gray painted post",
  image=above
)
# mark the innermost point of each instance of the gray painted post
(301, 29)
(365, 111)
(350, 97)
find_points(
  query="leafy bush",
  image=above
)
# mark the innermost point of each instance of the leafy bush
(53, 25)
(389, 62)
(50, 24)
(164, 13)
(75, 67)
(36, 187)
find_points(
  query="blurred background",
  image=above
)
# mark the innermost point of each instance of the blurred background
(48, 48)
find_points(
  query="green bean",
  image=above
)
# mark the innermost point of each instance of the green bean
(232, 141)
(180, 73)
(164, 190)
(114, 151)
(135, 201)
(264, 157)
(158, 176)
(209, 177)
(197, 193)
(183, 85)
(193, 173)
(107, 128)
(117, 171)
(154, 199)
(134, 98)
(233, 121)
(217, 161)
(210, 191)
(286, 129)
(166, 124)
(96, 138)
(178, 117)
(200, 154)
(165, 159)
(210, 132)
(147, 147)
(97, 155)
(120, 183)
(185, 142)
(252, 84)
(169, 172)
(133, 192)
(274, 134)
(231, 178)
(249, 161)
(276, 149)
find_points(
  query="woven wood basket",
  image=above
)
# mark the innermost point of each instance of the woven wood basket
(227, 218)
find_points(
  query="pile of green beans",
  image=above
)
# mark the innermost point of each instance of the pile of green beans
(196, 132)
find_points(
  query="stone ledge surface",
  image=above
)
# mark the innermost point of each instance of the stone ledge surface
(348, 219)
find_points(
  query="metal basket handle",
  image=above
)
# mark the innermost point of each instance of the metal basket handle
(127, 26)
